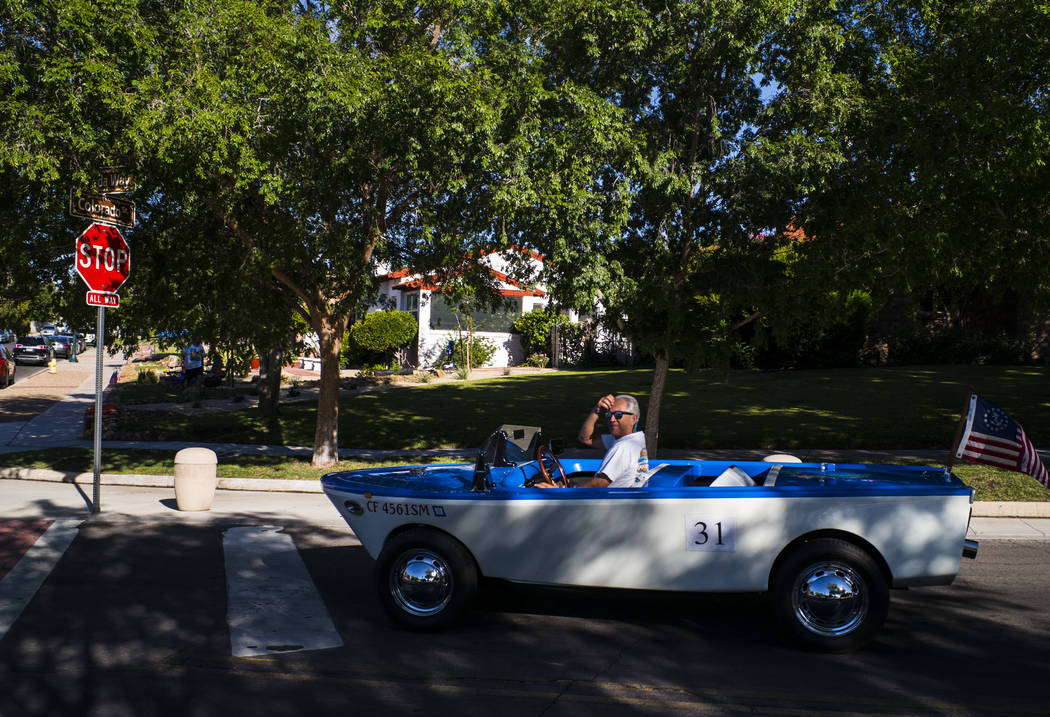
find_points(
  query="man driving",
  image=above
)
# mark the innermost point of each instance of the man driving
(626, 461)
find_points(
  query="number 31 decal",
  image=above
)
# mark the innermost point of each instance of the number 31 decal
(706, 532)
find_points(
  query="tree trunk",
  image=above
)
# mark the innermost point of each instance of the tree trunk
(270, 383)
(656, 396)
(330, 330)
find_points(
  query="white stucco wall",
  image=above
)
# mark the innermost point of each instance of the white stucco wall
(432, 343)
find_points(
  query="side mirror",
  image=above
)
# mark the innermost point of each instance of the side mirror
(557, 446)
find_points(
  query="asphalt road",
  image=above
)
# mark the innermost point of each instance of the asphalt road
(26, 370)
(133, 621)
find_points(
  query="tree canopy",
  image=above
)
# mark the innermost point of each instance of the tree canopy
(696, 167)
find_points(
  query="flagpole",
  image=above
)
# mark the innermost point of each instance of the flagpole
(959, 429)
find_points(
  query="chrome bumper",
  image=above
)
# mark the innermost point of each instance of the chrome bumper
(970, 549)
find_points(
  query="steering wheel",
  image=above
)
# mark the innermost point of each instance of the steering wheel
(548, 477)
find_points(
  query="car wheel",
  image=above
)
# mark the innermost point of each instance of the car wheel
(426, 579)
(830, 595)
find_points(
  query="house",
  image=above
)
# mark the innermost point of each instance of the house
(422, 297)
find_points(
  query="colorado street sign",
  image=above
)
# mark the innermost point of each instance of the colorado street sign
(102, 209)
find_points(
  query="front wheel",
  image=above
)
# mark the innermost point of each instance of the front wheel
(426, 580)
(830, 595)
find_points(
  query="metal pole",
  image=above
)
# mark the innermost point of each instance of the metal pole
(100, 345)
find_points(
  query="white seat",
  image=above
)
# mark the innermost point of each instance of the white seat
(782, 458)
(732, 476)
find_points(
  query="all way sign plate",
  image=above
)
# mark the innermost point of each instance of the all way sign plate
(103, 298)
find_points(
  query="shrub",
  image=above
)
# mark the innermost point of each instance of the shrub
(381, 332)
(147, 375)
(955, 345)
(481, 352)
(534, 328)
(537, 361)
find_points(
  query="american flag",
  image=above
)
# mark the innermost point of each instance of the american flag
(991, 436)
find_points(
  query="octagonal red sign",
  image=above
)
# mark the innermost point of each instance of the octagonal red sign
(103, 258)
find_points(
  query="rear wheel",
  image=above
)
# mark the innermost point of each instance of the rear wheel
(426, 580)
(830, 595)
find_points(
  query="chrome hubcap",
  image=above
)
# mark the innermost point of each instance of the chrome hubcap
(830, 599)
(421, 583)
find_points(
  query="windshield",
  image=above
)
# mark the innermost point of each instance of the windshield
(34, 341)
(520, 445)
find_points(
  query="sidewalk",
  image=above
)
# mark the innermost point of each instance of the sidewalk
(63, 422)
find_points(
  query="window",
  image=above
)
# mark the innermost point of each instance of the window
(410, 303)
(443, 317)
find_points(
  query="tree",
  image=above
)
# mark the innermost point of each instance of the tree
(65, 68)
(941, 186)
(329, 137)
(697, 254)
(325, 137)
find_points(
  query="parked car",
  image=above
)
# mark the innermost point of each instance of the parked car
(89, 337)
(48, 330)
(826, 541)
(61, 345)
(7, 367)
(7, 336)
(33, 349)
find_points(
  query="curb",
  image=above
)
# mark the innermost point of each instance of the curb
(1011, 509)
(981, 509)
(265, 485)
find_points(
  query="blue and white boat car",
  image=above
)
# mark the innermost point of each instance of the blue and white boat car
(826, 541)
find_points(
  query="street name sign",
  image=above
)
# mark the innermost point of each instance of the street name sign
(103, 258)
(103, 298)
(102, 209)
(113, 180)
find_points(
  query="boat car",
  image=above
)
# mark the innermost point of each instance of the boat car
(826, 541)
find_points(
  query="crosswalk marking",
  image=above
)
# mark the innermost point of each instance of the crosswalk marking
(272, 603)
(20, 584)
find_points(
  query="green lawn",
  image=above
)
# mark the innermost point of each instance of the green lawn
(890, 408)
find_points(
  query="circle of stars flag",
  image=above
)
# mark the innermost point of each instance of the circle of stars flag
(992, 437)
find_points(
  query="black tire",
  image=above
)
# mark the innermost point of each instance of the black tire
(444, 579)
(846, 601)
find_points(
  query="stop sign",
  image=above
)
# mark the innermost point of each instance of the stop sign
(103, 258)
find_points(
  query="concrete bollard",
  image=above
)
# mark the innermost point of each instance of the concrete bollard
(195, 478)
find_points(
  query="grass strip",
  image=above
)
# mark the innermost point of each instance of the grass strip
(155, 462)
(990, 483)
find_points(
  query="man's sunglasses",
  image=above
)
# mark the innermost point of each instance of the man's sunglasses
(618, 415)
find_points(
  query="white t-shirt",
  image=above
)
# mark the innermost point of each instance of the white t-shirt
(626, 460)
(193, 356)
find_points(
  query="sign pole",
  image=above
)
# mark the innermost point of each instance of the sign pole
(100, 345)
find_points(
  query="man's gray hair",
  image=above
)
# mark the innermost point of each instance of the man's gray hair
(632, 404)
